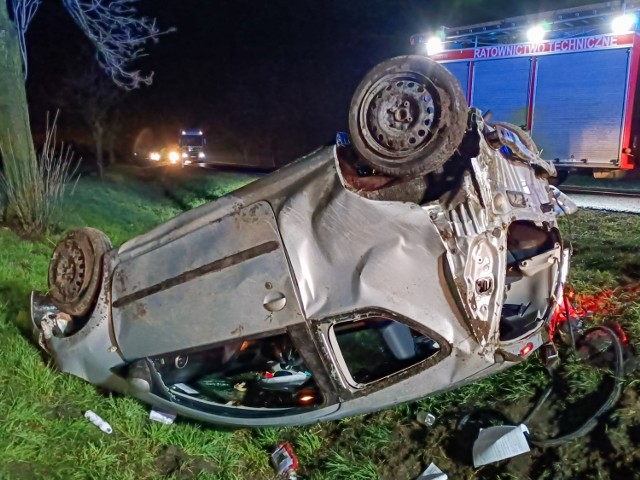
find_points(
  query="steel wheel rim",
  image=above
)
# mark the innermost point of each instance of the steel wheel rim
(71, 268)
(399, 115)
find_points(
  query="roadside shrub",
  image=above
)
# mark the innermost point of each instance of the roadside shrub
(33, 190)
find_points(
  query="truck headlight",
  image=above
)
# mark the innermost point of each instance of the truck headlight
(174, 157)
(184, 155)
(155, 156)
(200, 154)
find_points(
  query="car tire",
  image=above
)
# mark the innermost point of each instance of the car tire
(75, 270)
(407, 116)
(525, 138)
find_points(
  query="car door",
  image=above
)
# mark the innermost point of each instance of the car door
(217, 282)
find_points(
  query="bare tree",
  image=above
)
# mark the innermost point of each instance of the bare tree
(93, 96)
(118, 34)
(23, 12)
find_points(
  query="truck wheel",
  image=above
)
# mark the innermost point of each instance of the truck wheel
(525, 138)
(407, 116)
(75, 270)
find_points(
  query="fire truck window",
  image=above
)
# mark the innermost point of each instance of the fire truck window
(258, 373)
(378, 347)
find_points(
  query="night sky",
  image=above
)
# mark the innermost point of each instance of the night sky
(270, 79)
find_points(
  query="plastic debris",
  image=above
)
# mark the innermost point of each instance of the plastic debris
(284, 461)
(186, 389)
(433, 473)
(98, 422)
(163, 417)
(425, 418)
(342, 139)
(498, 443)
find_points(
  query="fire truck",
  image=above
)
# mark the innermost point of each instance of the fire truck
(568, 77)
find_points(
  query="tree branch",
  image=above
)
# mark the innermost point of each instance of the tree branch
(23, 12)
(118, 35)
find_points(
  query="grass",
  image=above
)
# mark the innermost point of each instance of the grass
(43, 434)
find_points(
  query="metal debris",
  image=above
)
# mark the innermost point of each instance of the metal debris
(425, 418)
(162, 417)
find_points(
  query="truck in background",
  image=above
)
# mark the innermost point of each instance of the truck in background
(569, 77)
(192, 144)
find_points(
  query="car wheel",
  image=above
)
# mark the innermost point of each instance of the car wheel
(407, 116)
(525, 138)
(75, 270)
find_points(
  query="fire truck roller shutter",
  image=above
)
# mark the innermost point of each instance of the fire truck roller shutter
(460, 70)
(580, 104)
(502, 86)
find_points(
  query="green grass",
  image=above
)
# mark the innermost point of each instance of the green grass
(44, 436)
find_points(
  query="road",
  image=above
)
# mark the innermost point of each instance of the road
(230, 168)
(606, 202)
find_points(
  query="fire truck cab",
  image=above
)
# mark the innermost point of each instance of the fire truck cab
(568, 76)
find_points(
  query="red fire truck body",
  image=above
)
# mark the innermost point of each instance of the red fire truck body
(576, 93)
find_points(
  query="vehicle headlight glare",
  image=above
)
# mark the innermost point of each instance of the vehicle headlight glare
(174, 157)
(434, 46)
(155, 156)
(201, 155)
(536, 34)
(623, 23)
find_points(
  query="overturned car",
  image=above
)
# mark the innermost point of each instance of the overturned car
(421, 255)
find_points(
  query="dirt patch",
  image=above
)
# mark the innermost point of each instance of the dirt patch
(173, 461)
(63, 411)
(19, 470)
(405, 458)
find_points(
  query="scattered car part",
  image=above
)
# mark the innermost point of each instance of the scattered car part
(324, 289)
(425, 418)
(612, 399)
(98, 421)
(591, 347)
(433, 473)
(162, 417)
(407, 116)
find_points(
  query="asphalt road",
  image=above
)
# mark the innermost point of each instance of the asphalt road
(604, 202)
(230, 168)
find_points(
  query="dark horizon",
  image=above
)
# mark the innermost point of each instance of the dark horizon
(273, 79)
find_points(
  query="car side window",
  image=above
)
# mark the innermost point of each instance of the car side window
(375, 348)
(265, 372)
